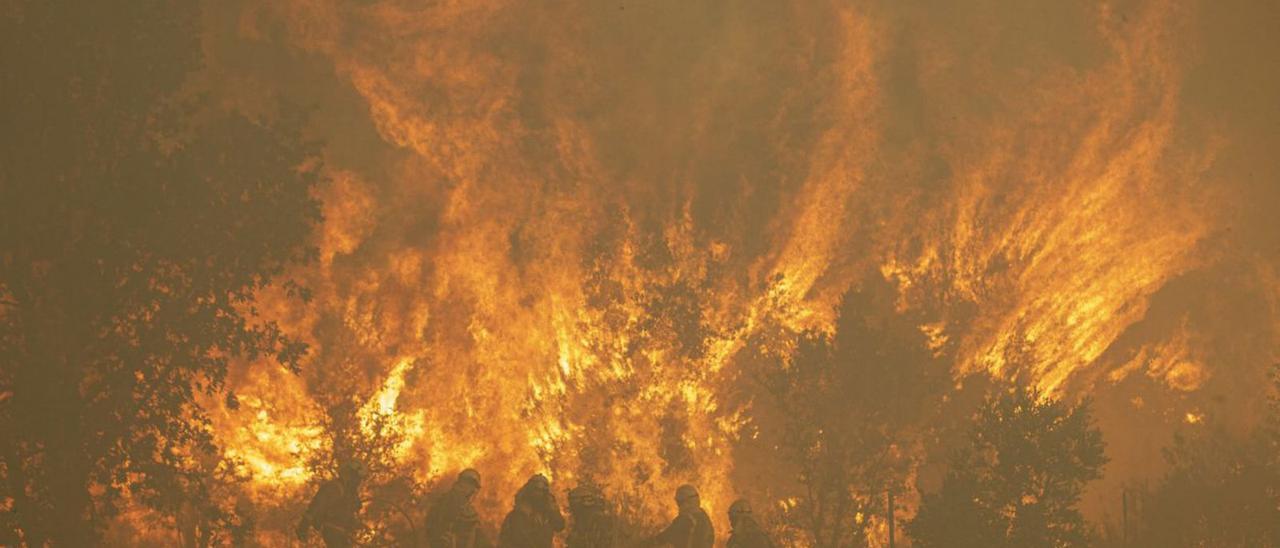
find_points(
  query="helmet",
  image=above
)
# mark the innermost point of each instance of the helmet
(538, 482)
(586, 495)
(739, 507)
(535, 490)
(471, 476)
(686, 492)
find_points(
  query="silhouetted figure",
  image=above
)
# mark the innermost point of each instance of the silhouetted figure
(243, 525)
(334, 511)
(453, 522)
(746, 532)
(691, 528)
(536, 518)
(593, 526)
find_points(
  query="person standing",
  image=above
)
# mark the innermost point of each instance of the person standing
(592, 523)
(535, 519)
(746, 532)
(691, 528)
(334, 511)
(453, 522)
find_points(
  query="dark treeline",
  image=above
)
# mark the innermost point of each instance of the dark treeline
(136, 221)
(1222, 488)
(138, 217)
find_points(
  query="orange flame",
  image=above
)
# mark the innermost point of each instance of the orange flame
(533, 279)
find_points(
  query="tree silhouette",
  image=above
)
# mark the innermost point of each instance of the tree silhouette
(137, 224)
(1222, 489)
(1018, 478)
(848, 402)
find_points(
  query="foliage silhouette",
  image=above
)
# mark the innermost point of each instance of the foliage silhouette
(1018, 479)
(850, 401)
(138, 222)
(1222, 489)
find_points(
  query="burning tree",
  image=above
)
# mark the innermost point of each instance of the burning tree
(372, 437)
(138, 222)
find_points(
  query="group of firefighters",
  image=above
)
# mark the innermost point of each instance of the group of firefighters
(533, 522)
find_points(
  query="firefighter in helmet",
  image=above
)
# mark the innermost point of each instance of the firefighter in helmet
(593, 525)
(746, 532)
(453, 522)
(334, 511)
(691, 528)
(535, 519)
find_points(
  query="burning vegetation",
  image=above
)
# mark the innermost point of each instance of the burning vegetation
(445, 273)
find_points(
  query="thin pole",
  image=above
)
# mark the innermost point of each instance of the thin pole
(889, 512)
(1124, 515)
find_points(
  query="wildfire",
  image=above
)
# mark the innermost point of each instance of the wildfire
(541, 274)
(1059, 242)
(270, 432)
(409, 427)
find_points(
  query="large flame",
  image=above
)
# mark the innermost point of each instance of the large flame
(577, 216)
(1059, 236)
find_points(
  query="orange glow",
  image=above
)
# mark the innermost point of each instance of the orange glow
(492, 288)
